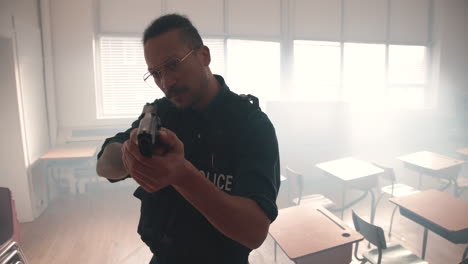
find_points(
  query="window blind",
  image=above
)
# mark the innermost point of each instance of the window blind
(123, 16)
(123, 92)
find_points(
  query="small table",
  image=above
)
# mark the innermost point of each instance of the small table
(433, 164)
(62, 160)
(463, 152)
(446, 216)
(308, 233)
(355, 173)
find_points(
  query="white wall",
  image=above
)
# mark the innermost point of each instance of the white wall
(5, 18)
(31, 74)
(12, 161)
(451, 42)
(24, 109)
(72, 27)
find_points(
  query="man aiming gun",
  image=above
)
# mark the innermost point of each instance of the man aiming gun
(208, 192)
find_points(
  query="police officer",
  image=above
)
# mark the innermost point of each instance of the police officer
(208, 193)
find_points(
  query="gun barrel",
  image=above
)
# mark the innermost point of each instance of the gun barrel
(148, 130)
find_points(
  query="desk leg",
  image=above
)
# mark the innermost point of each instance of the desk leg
(373, 206)
(420, 180)
(343, 201)
(53, 182)
(45, 172)
(423, 254)
(69, 174)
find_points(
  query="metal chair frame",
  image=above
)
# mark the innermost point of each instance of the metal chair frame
(375, 236)
(389, 174)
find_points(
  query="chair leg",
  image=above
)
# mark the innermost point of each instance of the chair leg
(465, 253)
(343, 197)
(391, 222)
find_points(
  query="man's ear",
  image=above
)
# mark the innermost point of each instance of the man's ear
(204, 51)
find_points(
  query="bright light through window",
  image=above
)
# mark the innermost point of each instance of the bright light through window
(364, 72)
(253, 67)
(407, 64)
(216, 47)
(123, 91)
(407, 75)
(316, 73)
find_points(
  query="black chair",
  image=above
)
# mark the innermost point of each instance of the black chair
(394, 189)
(296, 187)
(385, 253)
(460, 184)
(10, 251)
(465, 257)
(465, 261)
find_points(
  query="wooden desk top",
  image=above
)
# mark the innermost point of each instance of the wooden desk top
(307, 229)
(437, 207)
(430, 160)
(463, 151)
(71, 151)
(349, 168)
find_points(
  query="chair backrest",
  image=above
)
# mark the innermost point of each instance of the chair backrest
(295, 184)
(388, 174)
(372, 233)
(6, 215)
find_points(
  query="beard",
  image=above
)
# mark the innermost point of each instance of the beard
(184, 97)
(177, 91)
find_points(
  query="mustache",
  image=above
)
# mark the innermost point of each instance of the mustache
(176, 90)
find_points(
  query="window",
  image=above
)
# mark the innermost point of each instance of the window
(122, 92)
(407, 75)
(316, 73)
(364, 72)
(253, 67)
(216, 46)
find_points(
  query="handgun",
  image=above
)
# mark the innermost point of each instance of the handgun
(148, 130)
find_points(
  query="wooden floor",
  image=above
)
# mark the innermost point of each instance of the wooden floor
(100, 227)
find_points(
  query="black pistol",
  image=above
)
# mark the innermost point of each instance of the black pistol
(148, 130)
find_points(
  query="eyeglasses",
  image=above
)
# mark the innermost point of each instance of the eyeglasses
(168, 66)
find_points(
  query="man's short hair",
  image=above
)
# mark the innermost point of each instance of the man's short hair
(169, 22)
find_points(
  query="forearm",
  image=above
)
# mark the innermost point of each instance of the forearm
(110, 164)
(239, 218)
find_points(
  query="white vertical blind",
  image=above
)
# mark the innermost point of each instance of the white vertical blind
(409, 21)
(123, 91)
(317, 19)
(206, 15)
(123, 16)
(365, 20)
(260, 18)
